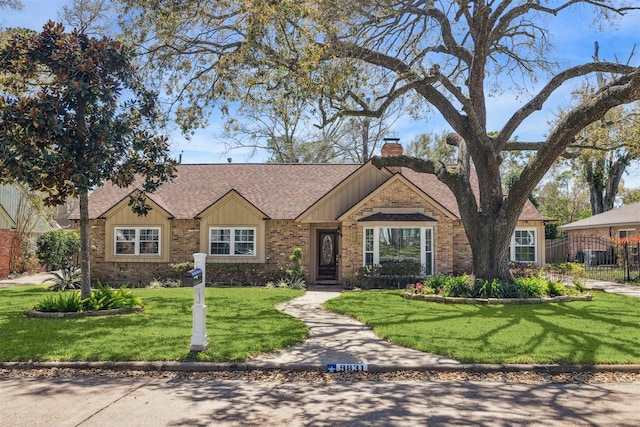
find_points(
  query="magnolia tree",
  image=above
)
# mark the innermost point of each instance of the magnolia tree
(73, 115)
(444, 56)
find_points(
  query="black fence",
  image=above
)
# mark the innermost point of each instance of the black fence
(601, 259)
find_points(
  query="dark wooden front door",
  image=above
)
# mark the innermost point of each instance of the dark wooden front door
(327, 251)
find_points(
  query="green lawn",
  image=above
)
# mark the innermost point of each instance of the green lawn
(604, 331)
(240, 322)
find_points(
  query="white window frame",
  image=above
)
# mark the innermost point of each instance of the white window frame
(376, 244)
(512, 247)
(232, 241)
(136, 241)
(628, 232)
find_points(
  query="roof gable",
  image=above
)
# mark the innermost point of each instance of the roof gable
(347, 193)
(400, 178)
(124, 204)
(235, 198)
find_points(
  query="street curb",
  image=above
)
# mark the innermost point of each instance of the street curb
(298, 367)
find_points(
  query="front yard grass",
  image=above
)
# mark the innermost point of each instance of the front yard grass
(240, 322)
(603, 331)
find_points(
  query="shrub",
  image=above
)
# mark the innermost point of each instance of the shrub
(458, 286)
(394, 274)
(437, 283)
(554, 288)
(529, 287)
(295, 271)
(102, 298)
(58, 248)
(486, 289)
(62, 302)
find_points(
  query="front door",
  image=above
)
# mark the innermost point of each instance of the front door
(327, 251)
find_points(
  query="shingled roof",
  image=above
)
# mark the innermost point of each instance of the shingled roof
(625, 215)
(280, 191)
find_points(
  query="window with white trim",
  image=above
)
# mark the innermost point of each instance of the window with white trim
(232, 241)
(399, 243)
(622, 234)
(143, 241)
(523, 245)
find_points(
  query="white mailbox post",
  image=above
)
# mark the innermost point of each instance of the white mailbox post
(199, 334)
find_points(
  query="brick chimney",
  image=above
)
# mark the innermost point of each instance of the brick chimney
(390, 148)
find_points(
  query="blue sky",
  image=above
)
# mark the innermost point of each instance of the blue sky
(571, 33)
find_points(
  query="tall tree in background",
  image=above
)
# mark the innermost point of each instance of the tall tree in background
(90, 17)
(446, 55)
(77, 118)
(608, 147)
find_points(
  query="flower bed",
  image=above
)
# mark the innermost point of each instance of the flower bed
(79, 314)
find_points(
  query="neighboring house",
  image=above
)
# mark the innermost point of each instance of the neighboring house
(17, 219)
(614, 224)
(342, 216)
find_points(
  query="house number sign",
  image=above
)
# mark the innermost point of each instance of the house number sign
(347, 367)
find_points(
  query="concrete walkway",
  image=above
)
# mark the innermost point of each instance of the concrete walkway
(33, 279)
(334, 338)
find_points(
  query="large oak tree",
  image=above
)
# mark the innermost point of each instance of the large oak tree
(73, 114)
(446, 56)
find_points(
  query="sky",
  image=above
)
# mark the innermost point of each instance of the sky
(573, 37)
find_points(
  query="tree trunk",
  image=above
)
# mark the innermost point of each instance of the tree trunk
(85, 266)
(489, 239)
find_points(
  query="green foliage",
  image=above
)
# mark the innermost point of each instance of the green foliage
(105, 298)
(58, 248)
(61, 302)
(102, 298)
(490, 289)
(394, 274)
(294, 270)
(243, 274)
(564, 269)
(458, 286)
(68, 277)
(77, 131)
(529, 287)
(553, 289)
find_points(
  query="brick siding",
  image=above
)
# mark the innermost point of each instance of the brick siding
(6, 237)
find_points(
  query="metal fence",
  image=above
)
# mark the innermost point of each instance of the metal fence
(602, 259)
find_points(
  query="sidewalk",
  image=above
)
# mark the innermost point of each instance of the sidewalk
(33, 279)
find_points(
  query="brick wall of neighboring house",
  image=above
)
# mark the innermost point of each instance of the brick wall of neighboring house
(603, 233)
(282, 237)
(397, 195)
(6, 236)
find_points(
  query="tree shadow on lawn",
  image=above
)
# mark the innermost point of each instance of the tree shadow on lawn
(573, 332)
(161, 332)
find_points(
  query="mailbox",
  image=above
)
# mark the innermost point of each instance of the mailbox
(192, 278)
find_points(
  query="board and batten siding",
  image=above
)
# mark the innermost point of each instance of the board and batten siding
(346, 195)
(233, 211)
(122, 216)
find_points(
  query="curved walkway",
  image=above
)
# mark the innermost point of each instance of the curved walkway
(334, 338)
